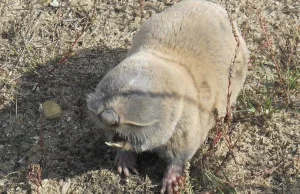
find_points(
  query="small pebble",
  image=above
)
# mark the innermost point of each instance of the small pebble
(54, 3)
(51, 110)
(21, 161)
(35, 88)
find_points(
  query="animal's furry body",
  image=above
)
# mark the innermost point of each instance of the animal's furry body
(162, 96)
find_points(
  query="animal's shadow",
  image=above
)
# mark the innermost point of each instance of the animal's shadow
(71, 145)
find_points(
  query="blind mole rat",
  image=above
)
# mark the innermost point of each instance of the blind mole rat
(162, 96)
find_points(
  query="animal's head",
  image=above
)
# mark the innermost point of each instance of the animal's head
(134, 108)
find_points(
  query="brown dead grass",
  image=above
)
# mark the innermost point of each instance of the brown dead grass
(61, 53)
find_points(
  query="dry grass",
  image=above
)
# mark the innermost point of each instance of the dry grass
(61, 53)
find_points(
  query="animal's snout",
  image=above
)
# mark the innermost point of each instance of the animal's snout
(109, 117)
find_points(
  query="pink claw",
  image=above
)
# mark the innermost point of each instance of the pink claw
(126, 162)
(173, 180)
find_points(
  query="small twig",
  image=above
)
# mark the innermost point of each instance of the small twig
(228, 157)
(218, 128)
(61, 61)
(269, 45)
(70, 52)
(223, 130)
(142, 2)
(231, 69)
(268, 172)
(35, 176)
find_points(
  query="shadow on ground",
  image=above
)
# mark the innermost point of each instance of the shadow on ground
(70, 148)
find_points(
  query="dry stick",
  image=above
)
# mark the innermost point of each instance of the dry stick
(35, 176)
(35, 172)
(228, 107)
(230, 153)
(269, 44)
(61, 61)
(231, 69)
(230, 75)
(142, 8)
(268, 172)
(218, 128)
(69, 53)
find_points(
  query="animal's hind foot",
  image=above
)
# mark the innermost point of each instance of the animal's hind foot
(173, 179)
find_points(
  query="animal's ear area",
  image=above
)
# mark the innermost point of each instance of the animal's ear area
(92, 102)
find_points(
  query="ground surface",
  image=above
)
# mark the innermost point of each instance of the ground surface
(68, 155)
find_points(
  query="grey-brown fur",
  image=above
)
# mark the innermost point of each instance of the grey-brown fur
(162, 96)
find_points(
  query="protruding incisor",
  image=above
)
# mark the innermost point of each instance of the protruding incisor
(109, 117)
